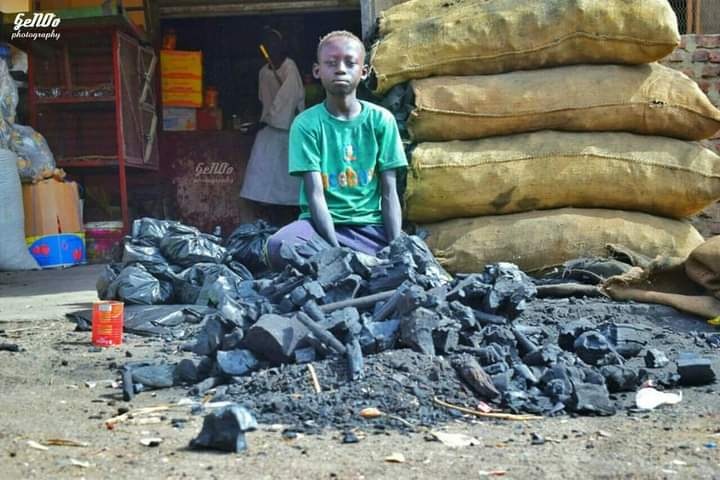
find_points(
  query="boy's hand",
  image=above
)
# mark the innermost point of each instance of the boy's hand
(390, 203)
(320, 215)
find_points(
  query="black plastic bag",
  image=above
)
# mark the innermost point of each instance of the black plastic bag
(188, 249)
(106, 278)
(135, 285)
(190, 282)
(174, 321)
(150, 231)
(247, 245)
(133, 253)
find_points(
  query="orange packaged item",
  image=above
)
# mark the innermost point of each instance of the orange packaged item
(107, 323)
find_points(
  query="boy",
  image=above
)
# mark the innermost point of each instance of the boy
(347, 152)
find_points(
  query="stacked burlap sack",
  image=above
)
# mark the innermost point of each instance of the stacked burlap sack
(555, 135)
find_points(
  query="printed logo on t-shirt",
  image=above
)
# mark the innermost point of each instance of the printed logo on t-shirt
(349, 155)
(347, 178)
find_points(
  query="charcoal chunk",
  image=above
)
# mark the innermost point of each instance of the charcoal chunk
(236, 362)
(592, 347)
(154, 376)
(522, 371)
(491, 354)
(344, 289)
(341, 321)
(232, 340)
(496, 368)
(274, 337)
(542, 357)
(627, 340)
(525, 345)
(473, 374)
(500, 335)
(385, 334)
(556, 383)
(225, 429)
(694, 369)
(210, 336)
(464, 314)
(655, 358)
(591, 399)
(193, 370)
(445, 340)
(333, 267)
(416, 330)
(484, 318)
(305, 355)
(619, 378)
(355, 360)
(388, 276)
(571, 331)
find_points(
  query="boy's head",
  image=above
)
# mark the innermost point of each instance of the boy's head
(340, 62)
(275, 44)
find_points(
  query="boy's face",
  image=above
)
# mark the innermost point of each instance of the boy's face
(341, 66)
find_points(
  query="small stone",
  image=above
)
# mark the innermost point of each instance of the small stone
(370, 412)
(151, 442)
(350, 437)
(537, 439)
(395, 458)
(654, 358)
(225, 429)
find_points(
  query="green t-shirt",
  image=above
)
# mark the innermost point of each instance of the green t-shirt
(350, 155)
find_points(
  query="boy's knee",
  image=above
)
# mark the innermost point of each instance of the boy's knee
(274, 242)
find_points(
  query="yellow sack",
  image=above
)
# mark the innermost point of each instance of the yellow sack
(646, 99)
(481, 37)
(412, 11)
(550, 169)
(539, 240)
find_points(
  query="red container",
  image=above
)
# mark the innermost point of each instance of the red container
(107, 323)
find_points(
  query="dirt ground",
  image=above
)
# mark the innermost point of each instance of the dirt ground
(59, 387)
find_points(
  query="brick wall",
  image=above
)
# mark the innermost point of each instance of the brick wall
(698, 56)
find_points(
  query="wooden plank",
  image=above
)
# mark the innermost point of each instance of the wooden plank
(689, 16)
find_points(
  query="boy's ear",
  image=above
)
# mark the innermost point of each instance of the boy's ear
(316, 71)
(365, 71)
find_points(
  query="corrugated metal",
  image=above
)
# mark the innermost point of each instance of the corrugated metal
(200, 8)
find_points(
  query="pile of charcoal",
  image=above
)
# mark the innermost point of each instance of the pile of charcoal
(337, 331)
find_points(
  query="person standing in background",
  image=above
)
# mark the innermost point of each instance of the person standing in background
(282, 95)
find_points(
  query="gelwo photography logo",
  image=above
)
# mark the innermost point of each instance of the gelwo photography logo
(39, 25)
(214, 172)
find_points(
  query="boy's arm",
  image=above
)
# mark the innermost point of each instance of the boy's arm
(390, 204)
(320, 215)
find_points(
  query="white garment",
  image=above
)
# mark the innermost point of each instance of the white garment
(267, 179)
